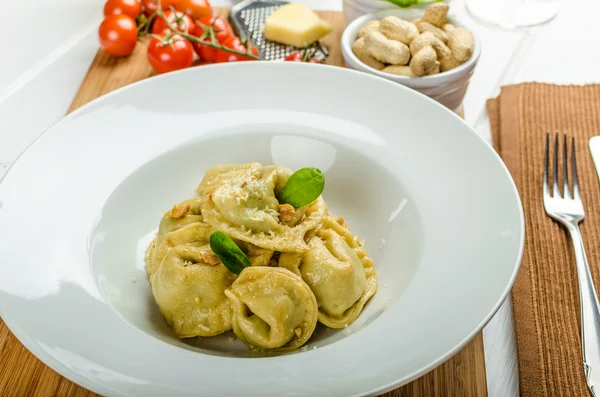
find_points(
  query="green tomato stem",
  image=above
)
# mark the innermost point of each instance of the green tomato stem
(144, 24)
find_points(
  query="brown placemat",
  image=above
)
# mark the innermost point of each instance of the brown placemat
(545, 294)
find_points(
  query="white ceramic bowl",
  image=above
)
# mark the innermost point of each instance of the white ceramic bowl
(448, 88)
(439, 211)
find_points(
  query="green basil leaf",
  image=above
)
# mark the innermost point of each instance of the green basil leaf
(303, 187)
(408, 3)
(230, 254)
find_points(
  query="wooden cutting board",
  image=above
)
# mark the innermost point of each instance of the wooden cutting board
(22, 374)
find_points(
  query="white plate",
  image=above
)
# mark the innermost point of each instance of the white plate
(440, 213)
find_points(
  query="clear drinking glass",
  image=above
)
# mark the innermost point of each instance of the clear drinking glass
(511, 14)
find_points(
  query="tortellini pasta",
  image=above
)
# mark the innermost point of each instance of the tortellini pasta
(189, 228)
(304, 265)
(272, 308)
(258, 256)
(173, 231)
(212, 172)
(242, 203)
(188, 281)
(338, 271)
(191, 293)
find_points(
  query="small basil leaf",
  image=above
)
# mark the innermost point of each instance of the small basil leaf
(230, 254)
(408, 3)
(303, 187)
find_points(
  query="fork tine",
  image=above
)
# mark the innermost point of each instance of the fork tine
(576, 193)
(566, 190)
(545, 188)
(556, 190)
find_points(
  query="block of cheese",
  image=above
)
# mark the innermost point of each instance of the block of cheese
(296, 25)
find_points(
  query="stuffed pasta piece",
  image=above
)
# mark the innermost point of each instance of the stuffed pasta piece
(188, 280)
(272, 309)
(220, 169)
(182, 224)
(189, 288)
(241, 201)
(257, 256)
(338, 271)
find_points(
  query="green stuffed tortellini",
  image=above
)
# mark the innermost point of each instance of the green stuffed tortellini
(338, 271)
(190, 292)
(272, 308)
(242, 203)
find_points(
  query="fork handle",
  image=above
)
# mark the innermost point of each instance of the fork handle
(590, 313)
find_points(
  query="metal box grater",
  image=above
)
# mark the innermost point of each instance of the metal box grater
(248, 18)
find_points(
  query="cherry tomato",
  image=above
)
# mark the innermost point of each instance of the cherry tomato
(222, 28)
(118, 35)
(206, 53)
(133, 8)
(150, 6)
(169, 53)
(178, 19)
(195, 8)
(295, 56)
(235, 44)
(223, 32)
(299, 56)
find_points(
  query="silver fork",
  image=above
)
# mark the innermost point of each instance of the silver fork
(568, 210)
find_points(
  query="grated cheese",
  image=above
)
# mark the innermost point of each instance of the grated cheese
(203, 327)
